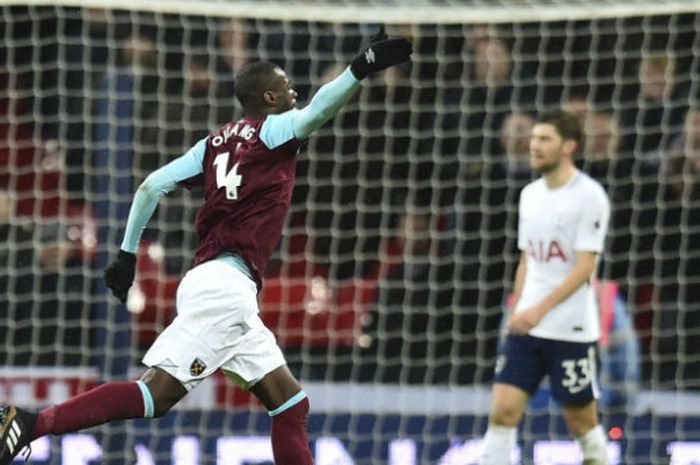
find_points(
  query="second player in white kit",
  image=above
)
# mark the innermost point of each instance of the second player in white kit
(553, 325)
(555, 224)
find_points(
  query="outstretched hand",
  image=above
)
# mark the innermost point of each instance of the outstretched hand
(119, 276)
(381, 54)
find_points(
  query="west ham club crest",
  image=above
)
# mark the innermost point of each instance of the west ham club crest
(197, 367)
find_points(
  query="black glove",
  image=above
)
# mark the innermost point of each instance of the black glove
(381, 53)
(120, 274)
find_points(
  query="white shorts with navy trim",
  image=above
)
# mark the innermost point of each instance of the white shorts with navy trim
(217, 327)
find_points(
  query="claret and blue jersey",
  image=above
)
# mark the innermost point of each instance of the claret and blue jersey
(247, 189)
(247, 169)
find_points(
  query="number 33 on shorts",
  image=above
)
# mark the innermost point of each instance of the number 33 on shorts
(577, 374)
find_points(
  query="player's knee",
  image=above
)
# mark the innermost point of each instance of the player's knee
(162, 393)
(162, 406)
(506, 414)
(165, 399)
(579, 426)
(505, 417)
(159, 402)
(580, 420)
(508, 404)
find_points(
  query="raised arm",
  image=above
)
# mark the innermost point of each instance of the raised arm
(325, 104)
(381, 53)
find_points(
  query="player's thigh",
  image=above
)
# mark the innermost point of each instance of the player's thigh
(217, 312)
(520, 363)
(573, 372)
(508, 404)
(580, 419)
(258, 358)
(276, 387)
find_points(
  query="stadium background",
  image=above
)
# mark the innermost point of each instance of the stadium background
(388, 288)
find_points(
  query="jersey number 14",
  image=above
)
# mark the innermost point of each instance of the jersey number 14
(231, 180)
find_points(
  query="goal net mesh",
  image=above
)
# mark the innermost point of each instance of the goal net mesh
(388, 289)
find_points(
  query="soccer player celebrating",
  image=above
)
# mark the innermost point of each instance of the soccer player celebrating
(247, 169)
(553, 325)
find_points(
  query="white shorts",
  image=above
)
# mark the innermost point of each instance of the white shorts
(217, 327)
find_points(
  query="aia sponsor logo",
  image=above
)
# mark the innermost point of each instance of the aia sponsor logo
(542, 251)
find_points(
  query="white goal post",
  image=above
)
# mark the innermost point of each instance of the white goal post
(396, 11)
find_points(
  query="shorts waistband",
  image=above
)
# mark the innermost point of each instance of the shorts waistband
(235, 260)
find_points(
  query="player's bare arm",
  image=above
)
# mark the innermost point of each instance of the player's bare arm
(525, 320)
(520, 273)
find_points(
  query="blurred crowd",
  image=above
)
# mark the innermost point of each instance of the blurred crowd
(400, 249)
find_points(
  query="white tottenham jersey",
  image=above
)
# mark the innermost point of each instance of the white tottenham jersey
(554, 224)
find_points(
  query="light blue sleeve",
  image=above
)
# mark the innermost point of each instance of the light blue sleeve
(155, 186)
(299, 124)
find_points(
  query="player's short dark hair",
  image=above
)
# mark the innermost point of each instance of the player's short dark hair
(251, 82)
(566, 125)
